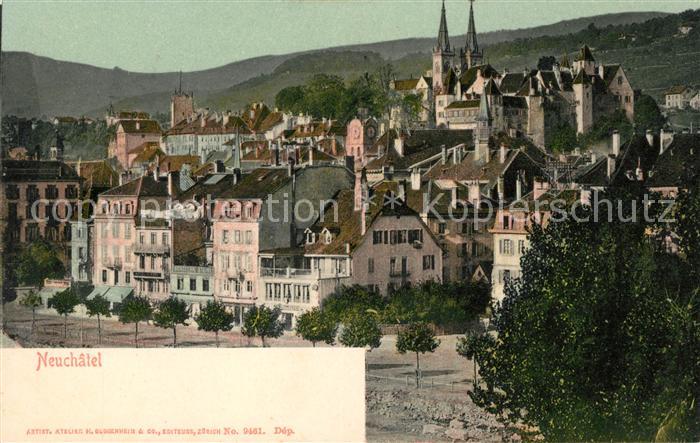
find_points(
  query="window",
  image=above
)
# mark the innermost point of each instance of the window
(248, 237)
(153, 262)
(268, 291)
(104, 276)
(164, 238)
(249, 286)
(237, 236)
(370, 265)
(442, 227)
(71, 191)
(237, 286)
(32, 193)
(142, 262)
(179, 283)
(150, 285)
(428, 262)
(506, 247)
(141, 238)
(205, 285)
(619, 80)
(12, 192)
(305, 296)
(376, 237)
(115, 230)
(521, 247)
(153, 238)
(415, 235)
(224, 236)
(127, 231)
(127, 279)
(193, 284)
(51, 192)
(392, 265)
(393, 237)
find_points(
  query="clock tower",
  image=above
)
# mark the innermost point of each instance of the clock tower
(443, 54)
(361, 135)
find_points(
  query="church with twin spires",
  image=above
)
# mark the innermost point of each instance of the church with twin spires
(530, 103)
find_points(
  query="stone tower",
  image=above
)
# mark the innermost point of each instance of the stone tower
(583, 93)
(483, 132)
(181, 105)
(471, 55)
(443, 54)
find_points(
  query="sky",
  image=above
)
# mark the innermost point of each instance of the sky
(169, 35)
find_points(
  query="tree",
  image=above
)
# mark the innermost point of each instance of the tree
(589, 344)
(37, 261)
(263, 322)
(291, 99)
(64, 303)
(647, 115)
(170, 313)
(98, 306)
(214, 317)
(31, 300)
(135, 309)
(315, 326)
(546, 63)
(418, 338)
(563, 138)
(360, 330)
(347, 299)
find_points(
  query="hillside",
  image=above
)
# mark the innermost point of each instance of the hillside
(40, 86)
(653, 55)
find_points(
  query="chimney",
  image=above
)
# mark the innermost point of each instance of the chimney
(402, 191)
(666, 140)
(457, 154)
(171, 190)
(453, 196)
(650, 138)
(290, 168)
(219, 166)
(593, 157)
(601, 71)
(138, 125)
(616, 143)
(334, 148)
(611, 166)
(639, 172)
(444, 154)
(311, 156)
(518, 189)
(474, 193)
(398, 145)
(500, 186)
(415, 179)
(503, 153)
(539, 188)
(156, 173)
(236, 176)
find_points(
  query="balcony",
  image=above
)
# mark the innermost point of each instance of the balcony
(193, 270)
(152, 274)
(112, 263)
(144, 248)
(285, 272)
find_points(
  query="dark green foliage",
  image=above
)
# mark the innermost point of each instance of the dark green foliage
(442, 304)
(330, 96)
(546, 62)
(361, 330)
(64, 303)
(647, 115)
(98, 306)
(316, 326)
(604, 126)
(135, 309)
(563, 138)
(348, 299)
(88, 141)
(214, 317)
(171, 312)
(36, 261)
(263, 322)
(592, 342)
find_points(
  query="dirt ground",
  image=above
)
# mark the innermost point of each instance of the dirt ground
(396, 411)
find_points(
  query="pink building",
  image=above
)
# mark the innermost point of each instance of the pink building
(130, 135)
(132, 236)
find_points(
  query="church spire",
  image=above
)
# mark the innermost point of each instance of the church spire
(472, 44)
(443, 42)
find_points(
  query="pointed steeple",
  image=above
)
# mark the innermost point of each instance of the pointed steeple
(443, 41)
(472, 44)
